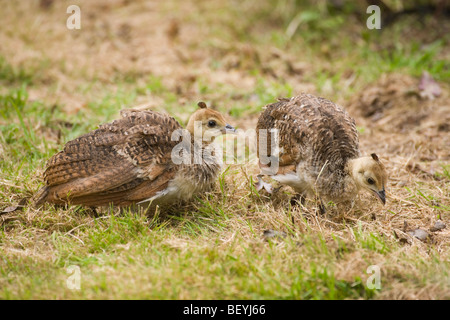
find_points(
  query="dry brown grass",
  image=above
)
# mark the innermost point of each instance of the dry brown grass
(180, 42)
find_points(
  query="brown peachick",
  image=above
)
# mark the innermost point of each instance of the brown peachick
(318, 150)
(133, 160)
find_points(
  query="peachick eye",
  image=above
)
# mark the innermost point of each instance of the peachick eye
(370, 181)
(211, 123)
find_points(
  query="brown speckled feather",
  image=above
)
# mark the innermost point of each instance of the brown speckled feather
(121, 162)
(315, 135)
(313, 129)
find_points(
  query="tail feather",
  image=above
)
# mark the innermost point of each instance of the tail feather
(40, 196)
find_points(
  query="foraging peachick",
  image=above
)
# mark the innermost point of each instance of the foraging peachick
(318, 150)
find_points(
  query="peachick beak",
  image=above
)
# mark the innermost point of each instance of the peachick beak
(228, 129)
(381, 195)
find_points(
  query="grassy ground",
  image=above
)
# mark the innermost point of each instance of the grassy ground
(56, 84)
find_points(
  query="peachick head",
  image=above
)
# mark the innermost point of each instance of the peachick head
(370, 174)
(208, 123)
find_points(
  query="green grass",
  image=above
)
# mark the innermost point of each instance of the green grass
(120, 242)
(119, 252)
(13, 76)
(213, 248)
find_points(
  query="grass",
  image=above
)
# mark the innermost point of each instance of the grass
(11, 76)
(236, 59)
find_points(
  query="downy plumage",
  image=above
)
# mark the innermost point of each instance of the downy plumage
(319, 150)
(131, 160)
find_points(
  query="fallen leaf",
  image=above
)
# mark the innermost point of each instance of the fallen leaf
(418, 170)
(419, 234)
(263, 185)
(173, 30)
(436, 204)
(46, 4)
(405, 226)
(428, 87)
(11, 209)
(17, 207)
(402, 240)
(438, 225)
(273, 234)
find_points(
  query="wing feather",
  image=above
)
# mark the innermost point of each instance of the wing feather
(113, 161)
(311, 129)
